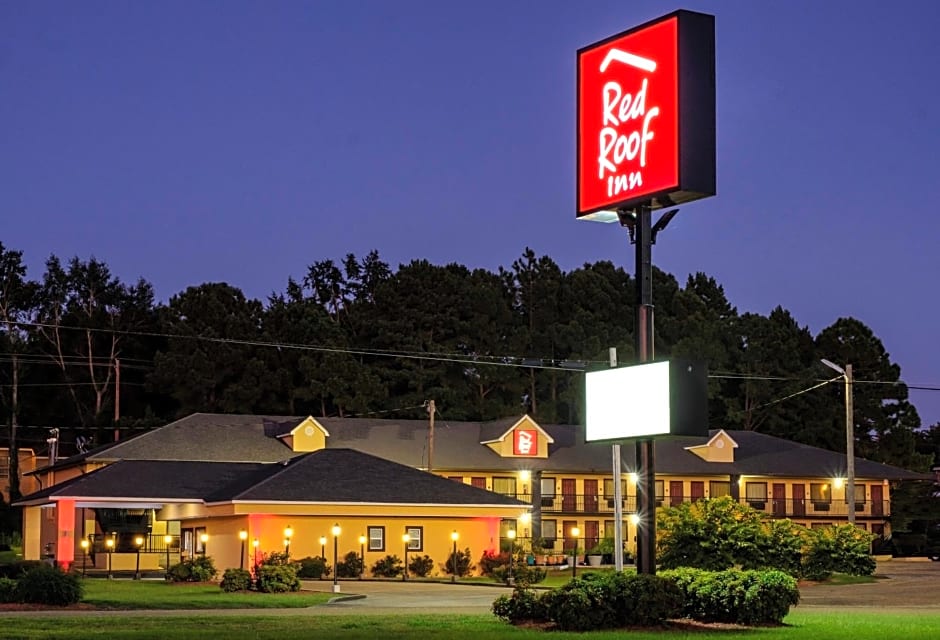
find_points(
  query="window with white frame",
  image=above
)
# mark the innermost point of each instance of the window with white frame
(548, 492)
(756, 494)
(415, 538)
(549, 529)
(821, 495)
(719, 488)
(504, 486)
(376, 538)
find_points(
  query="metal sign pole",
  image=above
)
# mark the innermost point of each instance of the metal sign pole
(646, 473)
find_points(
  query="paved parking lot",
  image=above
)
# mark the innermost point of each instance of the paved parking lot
(902, 584)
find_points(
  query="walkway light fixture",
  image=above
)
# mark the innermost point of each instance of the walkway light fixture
(323, 547)
(204, 539)
(362, 555)
(406, 539)
(84, 544)
(288, 534)
(243, 536)
(109, 544)
(575, 532)
(335, 531)
(511, 534)
(167, 539)
(454, 537)
(138, 542)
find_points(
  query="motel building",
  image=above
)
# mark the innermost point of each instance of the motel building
(234, 487)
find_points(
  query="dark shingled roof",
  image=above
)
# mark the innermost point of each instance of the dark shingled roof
(156, 479)
(345, 475)
(329, 475)
(208, 437)
(241, 438)
(457, 446)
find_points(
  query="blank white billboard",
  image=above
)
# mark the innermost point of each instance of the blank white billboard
(628, 402)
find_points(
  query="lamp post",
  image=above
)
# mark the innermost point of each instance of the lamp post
(511, 534)
(335, 531)
(406, 539)
(243, 536)
(254, 555)
(167, 539)
(849, 436)
(323, 547)
(454, 536)
(109, 543)
(362, 555)
(288, 534)
(84, 544)
(575, 532)
(138, 542)
(204, 538)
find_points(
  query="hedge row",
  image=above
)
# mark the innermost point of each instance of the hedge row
(617, 600)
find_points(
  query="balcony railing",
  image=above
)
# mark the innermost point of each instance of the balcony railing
(125, 543)
(779, 508)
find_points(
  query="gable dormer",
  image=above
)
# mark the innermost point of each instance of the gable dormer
(719, 449)
(308, 435)
(523, 438)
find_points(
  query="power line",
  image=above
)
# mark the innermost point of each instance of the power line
(456, 358)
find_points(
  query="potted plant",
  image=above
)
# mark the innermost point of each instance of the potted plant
(539, 551)
(603, 551)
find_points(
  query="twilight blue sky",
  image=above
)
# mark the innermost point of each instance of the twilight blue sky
(236, 141)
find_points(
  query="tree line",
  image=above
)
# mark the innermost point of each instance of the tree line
(358, 338)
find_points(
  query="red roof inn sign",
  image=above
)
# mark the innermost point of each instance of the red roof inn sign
(646, 116)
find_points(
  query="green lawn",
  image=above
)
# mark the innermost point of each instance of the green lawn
(129, 594)
(810, 625)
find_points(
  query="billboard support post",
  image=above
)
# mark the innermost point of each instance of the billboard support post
(646, 140)
(642, 235)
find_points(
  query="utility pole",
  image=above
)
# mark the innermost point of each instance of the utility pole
(850, 443)
(431, 412)
(117, 398)
(849, 436)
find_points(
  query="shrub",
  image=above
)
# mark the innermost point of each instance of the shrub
(524, 605)
(311, 568)
(743, 597)
(489, 561)
(236, 580)
(781, 547)
(18, 569)
(8, 590)
(596, 601)
(421, 566)
(522, 574)
(47, 584)
(195, 569)
(842, 549)
(464, 565)
(387, 567)
(277, 578)
(350, 566)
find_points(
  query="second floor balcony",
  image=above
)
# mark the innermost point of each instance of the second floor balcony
(579, 504)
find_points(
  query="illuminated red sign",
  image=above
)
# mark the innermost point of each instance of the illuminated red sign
(646, 116)
(525, 442)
